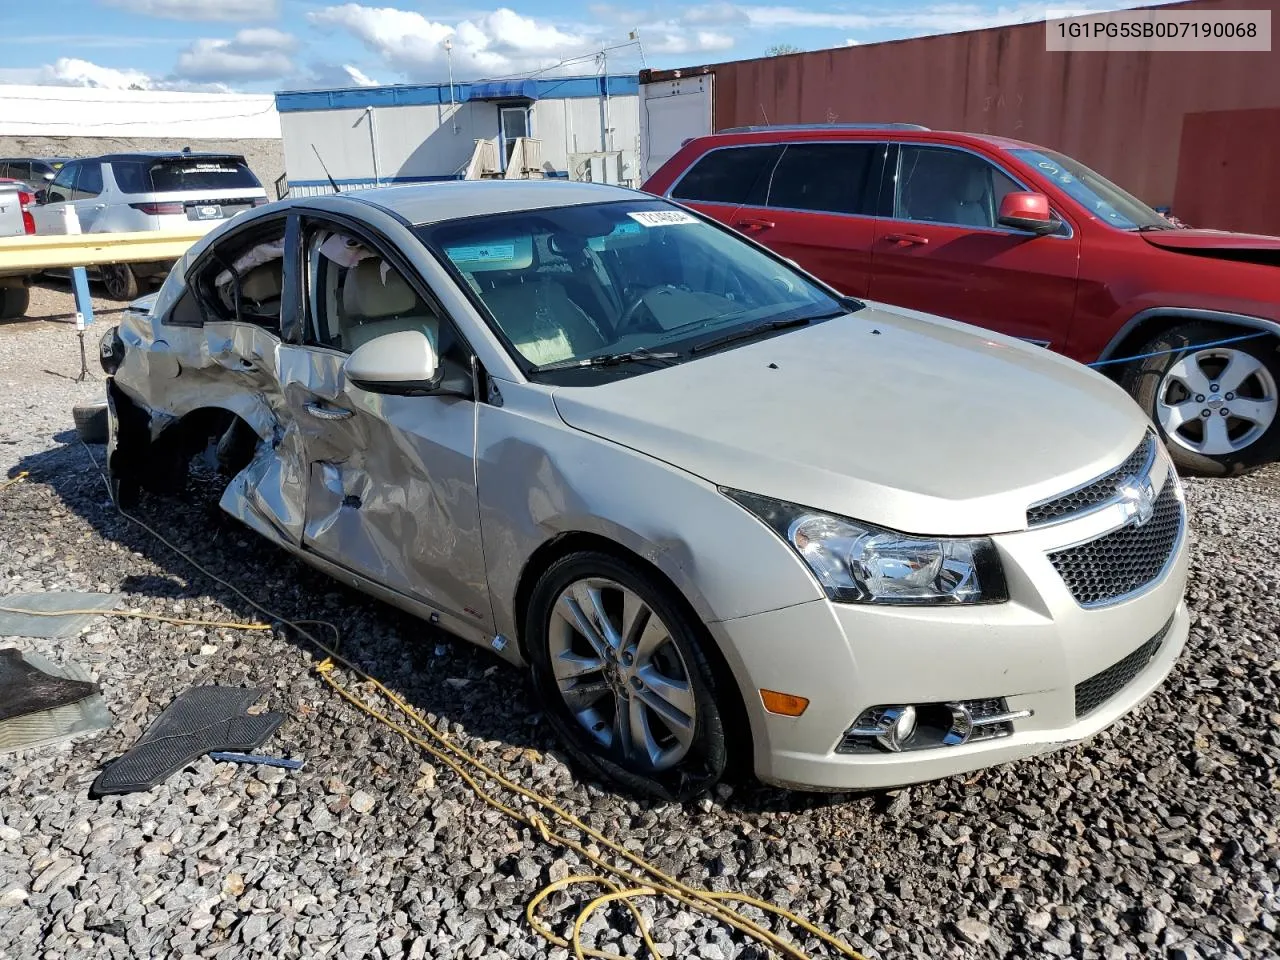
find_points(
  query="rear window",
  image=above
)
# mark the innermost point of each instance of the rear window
(183, 174)
(734, 175)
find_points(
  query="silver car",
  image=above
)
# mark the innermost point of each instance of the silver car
(715, 508)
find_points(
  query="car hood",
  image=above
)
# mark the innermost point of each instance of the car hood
(909, 421)
(1220, 242)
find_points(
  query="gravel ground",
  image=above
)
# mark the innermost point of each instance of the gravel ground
(1157, 838)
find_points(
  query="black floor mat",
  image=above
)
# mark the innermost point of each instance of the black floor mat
(201, 720)
(25, 689)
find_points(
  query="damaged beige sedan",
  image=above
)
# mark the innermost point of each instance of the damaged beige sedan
(717, 508)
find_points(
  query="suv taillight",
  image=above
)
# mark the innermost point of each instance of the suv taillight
(25, 200)
(157, 209)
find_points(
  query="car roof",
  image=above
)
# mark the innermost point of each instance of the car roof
(898, 132)
(422, 203)
(162, 155)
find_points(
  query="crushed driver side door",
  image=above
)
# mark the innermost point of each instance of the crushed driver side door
(390, 480)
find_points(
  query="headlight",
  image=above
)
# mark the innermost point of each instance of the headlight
(857, 562)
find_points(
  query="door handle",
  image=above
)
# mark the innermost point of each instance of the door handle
(910, 238)
(754, 224)
(323, 412)
(99, 206)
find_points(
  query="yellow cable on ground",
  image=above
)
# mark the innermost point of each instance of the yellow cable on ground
(137, 615)
(622, 883)
(15, 479)
(649, 881)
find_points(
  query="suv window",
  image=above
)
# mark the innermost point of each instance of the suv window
(356, 295)
(170, 174)
(737, 175)
(63, 186)
(18, 170)
(90, 182)
(942, 185)
(828, 177)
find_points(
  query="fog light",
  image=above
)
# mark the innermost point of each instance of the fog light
(898, 727)
(892, 727)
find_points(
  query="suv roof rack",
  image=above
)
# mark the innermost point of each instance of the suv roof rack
(824, 126)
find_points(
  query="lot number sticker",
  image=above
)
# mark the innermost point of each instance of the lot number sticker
(662, 218)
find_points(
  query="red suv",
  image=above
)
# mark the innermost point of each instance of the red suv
(1025, 241)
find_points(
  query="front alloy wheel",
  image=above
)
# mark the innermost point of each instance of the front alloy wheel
(617, 661)
(621, 675)
(1218, 408)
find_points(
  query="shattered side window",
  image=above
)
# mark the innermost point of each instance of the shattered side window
(245, 282)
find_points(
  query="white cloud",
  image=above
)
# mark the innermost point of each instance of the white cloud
(73, 72)
(266, 38)
(850, 42)
(671, 38)
(490, 44)
(324, 75)
(358, 77)
(903, 20)
(252, 54)
(223, 10)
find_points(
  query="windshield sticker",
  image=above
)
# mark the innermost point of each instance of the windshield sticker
(620, 230)
(487, 253)
(662, 218)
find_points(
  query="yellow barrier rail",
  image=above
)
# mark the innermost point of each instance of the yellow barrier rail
(34, 253)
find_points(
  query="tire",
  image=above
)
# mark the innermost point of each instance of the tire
(120, 280)
(1169, 389)
(14, 302)
(683, 759)
(91, 421)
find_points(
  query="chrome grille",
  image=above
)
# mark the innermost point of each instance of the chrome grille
(1096, 492)
(1125, 560)
(1102, 686)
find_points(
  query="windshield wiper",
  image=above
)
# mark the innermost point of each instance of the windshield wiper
(607, 360)
(1148, 227)
(751, 332)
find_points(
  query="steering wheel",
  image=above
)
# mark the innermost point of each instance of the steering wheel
(626, 319)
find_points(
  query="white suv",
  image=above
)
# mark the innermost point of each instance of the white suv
(133, 192)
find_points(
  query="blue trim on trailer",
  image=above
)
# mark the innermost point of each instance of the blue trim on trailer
(429, 94)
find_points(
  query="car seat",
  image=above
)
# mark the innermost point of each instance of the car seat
(377, 300)
(260, 290)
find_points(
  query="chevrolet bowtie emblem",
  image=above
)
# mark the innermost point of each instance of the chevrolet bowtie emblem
(1137, 501)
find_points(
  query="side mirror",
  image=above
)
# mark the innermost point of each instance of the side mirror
(1027, 211)
(42, 196)
(402, 363)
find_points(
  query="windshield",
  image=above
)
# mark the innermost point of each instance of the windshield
(1093, 191)
(571, 283)
(186, 173)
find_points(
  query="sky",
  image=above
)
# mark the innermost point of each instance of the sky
(267, 45)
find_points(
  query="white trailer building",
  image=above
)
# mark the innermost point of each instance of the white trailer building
(580, 128)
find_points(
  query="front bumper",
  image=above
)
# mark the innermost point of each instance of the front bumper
(1032, 651)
